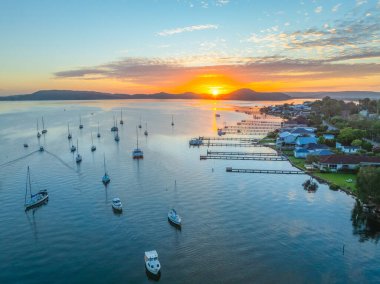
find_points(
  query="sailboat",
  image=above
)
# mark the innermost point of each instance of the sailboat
(78, 159)
(44, 131)
(73, 148)
(106, 178)
(114, 127)
(68, 132)
(121, 120)
(35, 199)
(38, 131)
(172, 121)
(117, 138)
(80, 122)
(140, 122)
(173, 216)
(93, 147)
(137, 153)
(146, 129)
(98, 131)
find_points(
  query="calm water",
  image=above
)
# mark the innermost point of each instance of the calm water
(237, 228)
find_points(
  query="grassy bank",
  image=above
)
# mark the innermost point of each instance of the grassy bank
(337, 179)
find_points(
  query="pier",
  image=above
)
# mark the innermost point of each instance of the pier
(221, 144)
(257, 171)
(240, 139)
(236, 157)
(241, 153)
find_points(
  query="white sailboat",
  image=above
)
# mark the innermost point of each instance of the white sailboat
(116, 205)
(172, 121)
(38, 131)
(73, 148)
(106, 178)
(140, 122)
(80, 122)
(35, 199)
(117, 138)
(137, 153)
(93, 147)
(98, 131)
(78, 159)
(114, 127)
(68, 132)
(173, 216)
(44, 131)
(146, 129)
(121, 119)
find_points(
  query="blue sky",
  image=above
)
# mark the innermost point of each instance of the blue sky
(118, 46)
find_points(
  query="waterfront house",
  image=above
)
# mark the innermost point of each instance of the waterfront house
(302, 141)
(336, 163)
(312, 149)
(346, 149)
(328, 136)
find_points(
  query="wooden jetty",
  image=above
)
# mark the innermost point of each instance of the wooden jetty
(240, 139)
(221, 144)
(258, 171)
(240, 153)
(254, 158)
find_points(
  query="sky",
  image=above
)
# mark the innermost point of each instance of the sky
(203, 46)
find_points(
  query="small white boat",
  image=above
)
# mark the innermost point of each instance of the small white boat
(137, 153)
(106, 178)
(44, 131)
(116, 204)
(35, 199)
(152, 263)
(93, 147)
(78, 158)
(174, 218)
(195, 142)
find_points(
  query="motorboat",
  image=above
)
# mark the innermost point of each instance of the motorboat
(174, 218)
(195, 142)
(152, 264)
(116, 204)
(36, 199)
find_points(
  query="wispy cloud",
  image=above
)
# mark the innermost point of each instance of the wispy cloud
(318, 9)
(336, 7)
(360, 2)
(187, 29)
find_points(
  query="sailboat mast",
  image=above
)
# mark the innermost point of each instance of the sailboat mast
(77, 147)
(37, 126)
(92, 140)
(30, 184)
(121, 113)
(105, 169)
(98, 126)
(137, 138)
(43, 123)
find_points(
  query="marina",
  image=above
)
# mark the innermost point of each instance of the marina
(260, 171)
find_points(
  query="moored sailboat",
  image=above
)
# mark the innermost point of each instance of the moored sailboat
(80, 122)
(38, 131)
(68, 132)
(137, 152)
(93, 147)
(78, 158)
(44, 130)
(106, 178)
(35, 199)
(121, 114)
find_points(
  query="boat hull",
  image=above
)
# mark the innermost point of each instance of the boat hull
(39, 202)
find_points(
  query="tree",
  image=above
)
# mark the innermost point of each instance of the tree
(348, 134)
(321, 140)
(368, 184)
(356, 143)
(310, 159)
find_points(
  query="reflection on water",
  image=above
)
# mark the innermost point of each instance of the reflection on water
(364, 226)
(237, 228)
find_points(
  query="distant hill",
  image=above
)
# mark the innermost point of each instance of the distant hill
(242, 94)
(349, 95)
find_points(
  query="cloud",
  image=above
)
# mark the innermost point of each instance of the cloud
(360, 2)
(318, 9)
(336, 7)
(187, 29)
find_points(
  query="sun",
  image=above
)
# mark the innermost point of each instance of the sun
(215, 91)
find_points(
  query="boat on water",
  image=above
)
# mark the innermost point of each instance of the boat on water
(121, 116)
(68, 132)
(41, 149)
(78, 158)
(140, 122)
(114, 127)
(80, 122)
(38, 131)
(174, 218)
(221, 132)
(73, 148)
(116, 204)
(44, 130)
(152, 264)
(98, 135)
(146, 129)
(117, 137)
(195, 142)
(217, 115)
(36, 199)
(172, 121)
(106, 178)
(137, 152)
(93, 147)
(26, 145)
